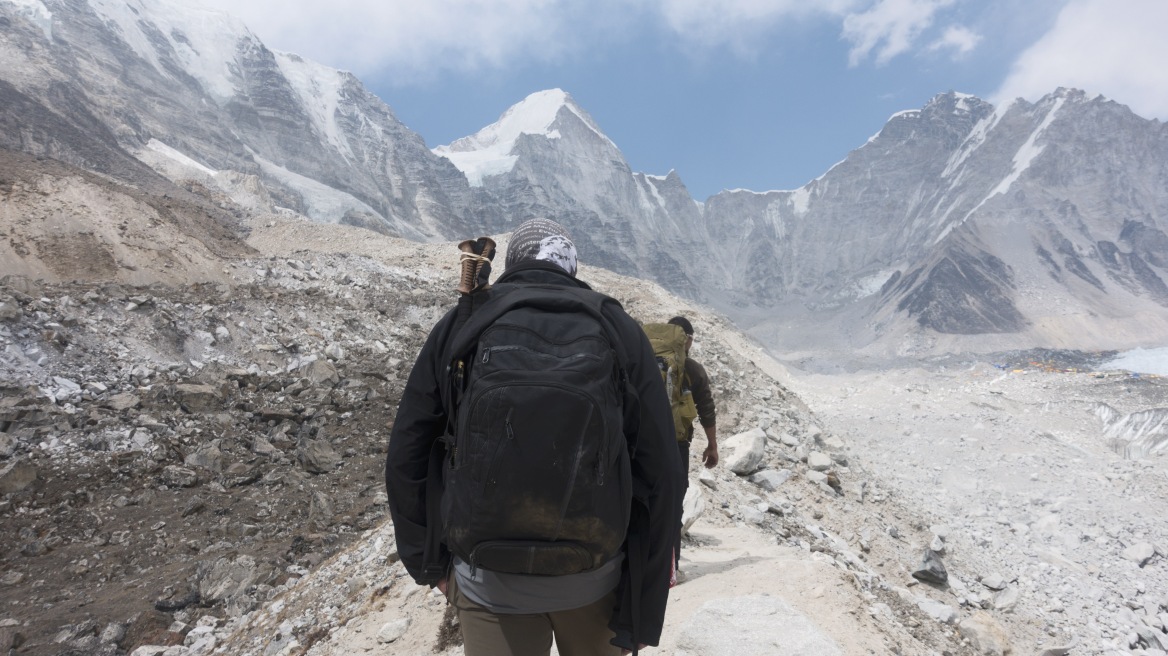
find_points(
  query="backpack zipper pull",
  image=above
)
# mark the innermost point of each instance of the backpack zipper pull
(486, 354)
(507, 424)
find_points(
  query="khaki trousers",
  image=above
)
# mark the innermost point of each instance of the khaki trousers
(579, 632)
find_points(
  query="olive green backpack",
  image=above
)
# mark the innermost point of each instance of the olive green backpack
(668, 343)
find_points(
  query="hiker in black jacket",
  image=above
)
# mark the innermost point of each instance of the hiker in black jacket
(613, 608)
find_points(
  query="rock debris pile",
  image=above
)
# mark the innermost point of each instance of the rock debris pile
(168, 453)
(198, 470)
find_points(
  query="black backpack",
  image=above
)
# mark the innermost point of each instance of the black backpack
(537, 477)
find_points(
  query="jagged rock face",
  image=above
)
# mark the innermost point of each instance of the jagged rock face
(1056, 209)
(965, 291)
(972, 221)
(321, 143)
(560, 165)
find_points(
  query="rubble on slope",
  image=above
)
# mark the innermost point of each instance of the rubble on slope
(166, 453)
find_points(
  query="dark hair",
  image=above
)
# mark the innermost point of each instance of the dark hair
(684, 323)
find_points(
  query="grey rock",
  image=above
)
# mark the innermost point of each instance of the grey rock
(769, 479)
(198, 398)
(175, 476)
(818, 461)
(393, 630)
(10, 310)
(195, 506)
(263, 447)
(1152, 638)
(830, 443)
(994, 582)
(67, 385)
(707, 478)
(240, 605)
(226, 578)
(239, 474)
(931, 570)
(1007, 599)
(320, 510)
(1139, 553)
(752, 515)
(7, 445)
(753, 626)
(1064, 650)
(943, 613)
(746, 451)
(11, 638)
(208, 456)
(985, 635)
(35, 549)
(692, 507)
(317, 456)
(320, 373)
(113, 633)
(123, 401)
(16, 477)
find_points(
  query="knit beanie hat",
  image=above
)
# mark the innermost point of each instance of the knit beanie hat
(542, 239)
(684, 323)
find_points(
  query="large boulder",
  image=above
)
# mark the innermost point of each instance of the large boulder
(208, 457)
(985, 635)
(16, 477)
(317, 456)
(692, 507)
(320, 373)
(225, 578)
(198, 398)
(746, 451)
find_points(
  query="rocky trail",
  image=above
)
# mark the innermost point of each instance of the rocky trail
(190, 470)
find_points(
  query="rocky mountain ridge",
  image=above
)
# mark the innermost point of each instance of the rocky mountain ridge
(964, 226)
(195, 469)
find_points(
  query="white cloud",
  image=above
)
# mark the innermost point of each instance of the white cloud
(961, 40)
(410, 38)
(1113, 47)
(723, 22)
(889, 28)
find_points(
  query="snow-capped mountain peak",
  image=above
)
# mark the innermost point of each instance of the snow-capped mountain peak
(488, 152)
(36, 13)
(204, 42)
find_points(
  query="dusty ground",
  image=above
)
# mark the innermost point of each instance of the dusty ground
(1023, 463)
(200, 464)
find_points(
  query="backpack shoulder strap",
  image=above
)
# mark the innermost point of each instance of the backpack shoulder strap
(507, 297)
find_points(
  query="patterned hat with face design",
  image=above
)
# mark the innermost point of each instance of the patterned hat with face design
(542, 239)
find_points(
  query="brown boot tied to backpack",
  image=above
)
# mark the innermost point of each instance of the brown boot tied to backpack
(475, 264)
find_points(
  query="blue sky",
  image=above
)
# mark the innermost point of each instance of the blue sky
(755, 94)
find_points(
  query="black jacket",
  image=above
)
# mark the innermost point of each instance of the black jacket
(657, 485)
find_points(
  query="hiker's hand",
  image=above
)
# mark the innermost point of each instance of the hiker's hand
(629, 651)
(441, 585)
(710, 456)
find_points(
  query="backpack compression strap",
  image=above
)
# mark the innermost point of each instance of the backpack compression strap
(552, 298)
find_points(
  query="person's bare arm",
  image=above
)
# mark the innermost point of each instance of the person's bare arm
(710, 455)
